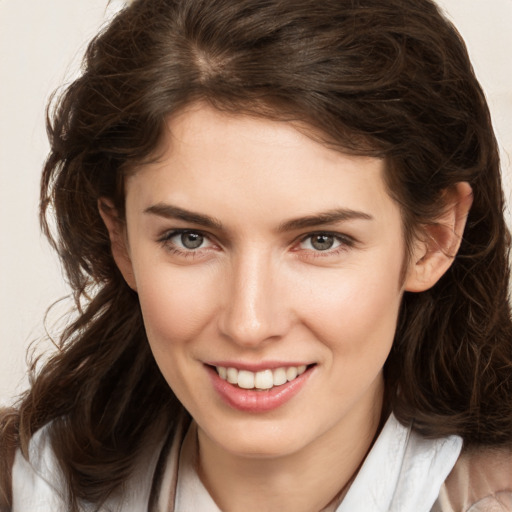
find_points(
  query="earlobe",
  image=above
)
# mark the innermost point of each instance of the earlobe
(433, 254)
(118, 242)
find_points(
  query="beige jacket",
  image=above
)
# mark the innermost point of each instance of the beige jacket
(481, 481)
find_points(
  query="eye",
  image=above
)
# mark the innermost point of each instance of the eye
(321, 242)
(185, 240)
(325, 244)
(190, 240)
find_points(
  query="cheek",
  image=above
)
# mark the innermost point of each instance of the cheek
(355, 310)
(175, 304)
(356, 322)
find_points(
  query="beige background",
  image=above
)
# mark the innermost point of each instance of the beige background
(40, 47)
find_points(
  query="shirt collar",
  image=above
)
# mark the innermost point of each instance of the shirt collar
(402, 471)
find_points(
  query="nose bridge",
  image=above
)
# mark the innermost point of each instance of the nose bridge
(252, 308)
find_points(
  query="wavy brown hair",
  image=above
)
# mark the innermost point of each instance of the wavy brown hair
(383, 78)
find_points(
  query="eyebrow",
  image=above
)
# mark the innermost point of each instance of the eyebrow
(327, 217)
(169, 211)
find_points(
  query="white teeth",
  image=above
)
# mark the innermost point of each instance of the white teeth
(264, 379)
(245, 379)
(291, 373)
(279, 375)
(232, 375)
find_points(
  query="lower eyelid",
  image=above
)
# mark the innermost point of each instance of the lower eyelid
(327, 254)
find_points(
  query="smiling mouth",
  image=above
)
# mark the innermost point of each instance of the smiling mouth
(261, 380)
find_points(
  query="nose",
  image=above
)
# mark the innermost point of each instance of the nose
(255, 308)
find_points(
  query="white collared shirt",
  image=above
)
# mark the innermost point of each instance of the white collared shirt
(403, 472)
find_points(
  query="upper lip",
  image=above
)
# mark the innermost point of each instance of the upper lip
(256, 367)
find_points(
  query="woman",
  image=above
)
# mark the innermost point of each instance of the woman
(283, 224)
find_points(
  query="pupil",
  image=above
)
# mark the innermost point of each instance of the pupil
(322, 242)
(191, 240)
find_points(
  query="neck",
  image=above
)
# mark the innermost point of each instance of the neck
(303, 481)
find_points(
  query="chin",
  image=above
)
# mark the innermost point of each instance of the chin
(261, 441)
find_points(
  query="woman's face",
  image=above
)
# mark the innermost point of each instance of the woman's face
(268, 269)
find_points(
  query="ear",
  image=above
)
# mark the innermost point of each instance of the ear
(118, 240)
(434, 253)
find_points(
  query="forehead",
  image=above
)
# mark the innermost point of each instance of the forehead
(234, 163)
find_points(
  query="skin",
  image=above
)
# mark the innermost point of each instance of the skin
(257, 290)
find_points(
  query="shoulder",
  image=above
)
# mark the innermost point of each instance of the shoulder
(480, 481)
(39, 484)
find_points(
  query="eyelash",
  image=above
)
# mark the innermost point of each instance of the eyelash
(345, 243)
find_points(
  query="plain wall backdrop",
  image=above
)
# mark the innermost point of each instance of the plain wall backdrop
(41, 44)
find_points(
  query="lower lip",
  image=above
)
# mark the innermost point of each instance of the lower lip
(251, 400)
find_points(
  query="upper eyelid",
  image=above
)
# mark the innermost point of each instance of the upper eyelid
(169, 233)
(340, 236)
(325, 232)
